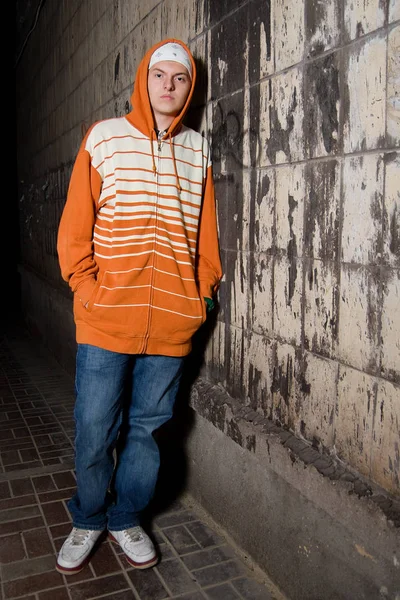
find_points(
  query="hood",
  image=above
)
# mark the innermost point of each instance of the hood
(141, 115)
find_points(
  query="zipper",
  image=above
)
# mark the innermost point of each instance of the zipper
(160, 134)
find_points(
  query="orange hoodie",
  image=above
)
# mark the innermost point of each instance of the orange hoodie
(137, 240)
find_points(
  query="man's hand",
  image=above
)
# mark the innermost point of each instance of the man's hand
(210, 304)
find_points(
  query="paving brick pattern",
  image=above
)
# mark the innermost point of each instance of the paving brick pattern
(37, 479)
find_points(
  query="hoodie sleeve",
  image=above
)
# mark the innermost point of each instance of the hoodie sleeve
(75, 232)
(209, 270)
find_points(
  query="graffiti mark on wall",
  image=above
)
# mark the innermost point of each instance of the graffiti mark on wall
(279, 140)
(229, 138)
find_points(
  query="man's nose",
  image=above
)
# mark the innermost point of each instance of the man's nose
(169, 83)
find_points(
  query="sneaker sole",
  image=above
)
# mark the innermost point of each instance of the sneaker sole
(138, 565)
(73, 570)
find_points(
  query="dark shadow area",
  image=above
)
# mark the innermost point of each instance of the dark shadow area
(10, 250)
(197, 107)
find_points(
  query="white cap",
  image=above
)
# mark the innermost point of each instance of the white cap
(174, 52)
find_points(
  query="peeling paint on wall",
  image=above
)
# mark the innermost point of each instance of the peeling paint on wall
(323, 105)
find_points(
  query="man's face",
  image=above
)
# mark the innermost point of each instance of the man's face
(168, 84)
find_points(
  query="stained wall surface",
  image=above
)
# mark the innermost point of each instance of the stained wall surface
(301, 103)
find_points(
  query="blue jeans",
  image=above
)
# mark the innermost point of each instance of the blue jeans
(116, 456)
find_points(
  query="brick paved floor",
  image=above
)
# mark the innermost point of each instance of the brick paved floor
(37, 478)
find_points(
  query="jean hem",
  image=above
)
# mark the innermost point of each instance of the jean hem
(123, 527)
(89, 526)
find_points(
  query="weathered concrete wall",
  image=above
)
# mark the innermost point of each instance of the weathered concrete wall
(301, 103)
(305, 125)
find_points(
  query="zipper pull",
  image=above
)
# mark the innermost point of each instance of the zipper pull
(160, 135)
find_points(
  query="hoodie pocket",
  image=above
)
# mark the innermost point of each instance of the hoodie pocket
(175, 316)
(120, 303)
(95, 293)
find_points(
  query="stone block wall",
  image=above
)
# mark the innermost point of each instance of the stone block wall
(301, 103)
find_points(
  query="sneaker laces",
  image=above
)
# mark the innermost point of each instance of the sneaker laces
(79, 536)
(134, 534)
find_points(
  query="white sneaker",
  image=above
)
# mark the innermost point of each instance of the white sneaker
(137, 545)
(75, 551)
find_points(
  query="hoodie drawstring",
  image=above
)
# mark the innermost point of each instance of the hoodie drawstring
(171, 145)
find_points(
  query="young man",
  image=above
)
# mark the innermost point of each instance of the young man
(138, 245)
